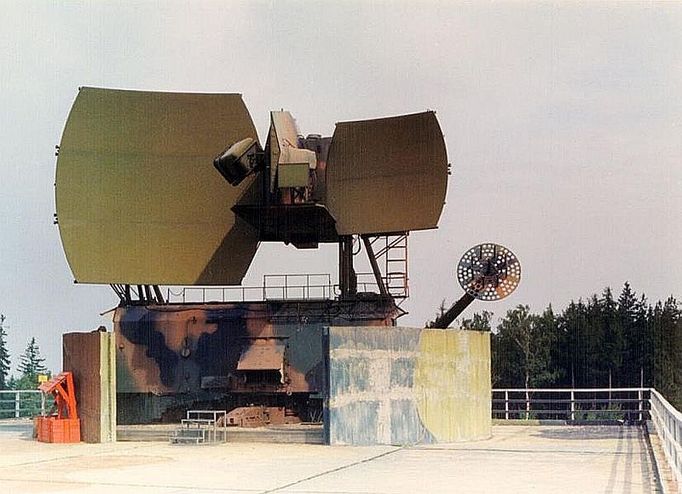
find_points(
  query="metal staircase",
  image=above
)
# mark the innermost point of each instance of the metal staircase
(392, 250)
(201, 427)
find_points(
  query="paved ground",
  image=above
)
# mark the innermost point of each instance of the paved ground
(524, 459)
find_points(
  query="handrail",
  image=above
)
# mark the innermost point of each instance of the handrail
(218, 421)
(277, 287)
(566, 390)
(303, 286)
(19, 397)
(668, 423)
(572, 406)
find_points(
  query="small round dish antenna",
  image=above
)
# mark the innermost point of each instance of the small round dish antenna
(489, 272)
(486, 272)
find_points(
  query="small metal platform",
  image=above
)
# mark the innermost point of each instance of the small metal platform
(201, 427)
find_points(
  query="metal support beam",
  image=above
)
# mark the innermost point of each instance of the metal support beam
(375, 265)
(347, 279)
(451, 314)
(159, 295)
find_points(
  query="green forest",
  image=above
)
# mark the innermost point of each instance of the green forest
(599, 342)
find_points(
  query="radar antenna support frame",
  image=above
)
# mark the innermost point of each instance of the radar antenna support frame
(390, 251)
(375, 266)
(348, 281)
(146, 294)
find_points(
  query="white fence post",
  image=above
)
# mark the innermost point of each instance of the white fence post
(17, 405)
(506, 404)
(573, 405)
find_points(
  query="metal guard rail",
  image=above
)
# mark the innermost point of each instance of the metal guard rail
(570, 404)
(292, 287)
(22, 403)
(668, 423)
(309, 286)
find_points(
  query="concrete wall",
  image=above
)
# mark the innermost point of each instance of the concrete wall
(407, 386)
(91, 357)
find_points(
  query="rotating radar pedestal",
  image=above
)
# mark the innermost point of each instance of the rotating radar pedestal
(486, 272)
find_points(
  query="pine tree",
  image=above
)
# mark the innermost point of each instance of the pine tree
(596, 362)
(31, 364)
(576, 344)
(627, 317)
(614, 344)
(4, 356)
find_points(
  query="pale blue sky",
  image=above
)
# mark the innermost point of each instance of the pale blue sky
(563, 123)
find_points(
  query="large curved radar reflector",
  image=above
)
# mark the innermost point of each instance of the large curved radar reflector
(138, 199)
(387, 175)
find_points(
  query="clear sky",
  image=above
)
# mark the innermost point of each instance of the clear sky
(563, 123)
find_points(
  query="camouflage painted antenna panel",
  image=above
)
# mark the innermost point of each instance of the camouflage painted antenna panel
(138, 199)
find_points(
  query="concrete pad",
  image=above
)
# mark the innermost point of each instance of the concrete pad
(516, 459)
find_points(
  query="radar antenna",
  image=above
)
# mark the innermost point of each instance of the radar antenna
(486, 272)
(138, 202)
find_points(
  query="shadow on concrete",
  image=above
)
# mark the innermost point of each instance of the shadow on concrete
(586, 432)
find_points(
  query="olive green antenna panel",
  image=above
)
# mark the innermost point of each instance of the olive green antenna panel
(387, 175)
(138, 199)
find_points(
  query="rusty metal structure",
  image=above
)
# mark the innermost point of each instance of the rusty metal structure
(258, 416)
(175, 189)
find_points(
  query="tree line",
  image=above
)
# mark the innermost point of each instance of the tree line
(599, 342)
(31, 364)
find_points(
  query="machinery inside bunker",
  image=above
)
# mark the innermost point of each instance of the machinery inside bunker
(174, 189)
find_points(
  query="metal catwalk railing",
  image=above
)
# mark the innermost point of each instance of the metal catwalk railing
(275, 287)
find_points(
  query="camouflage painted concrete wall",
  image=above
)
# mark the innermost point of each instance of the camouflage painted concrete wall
(407, 386)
